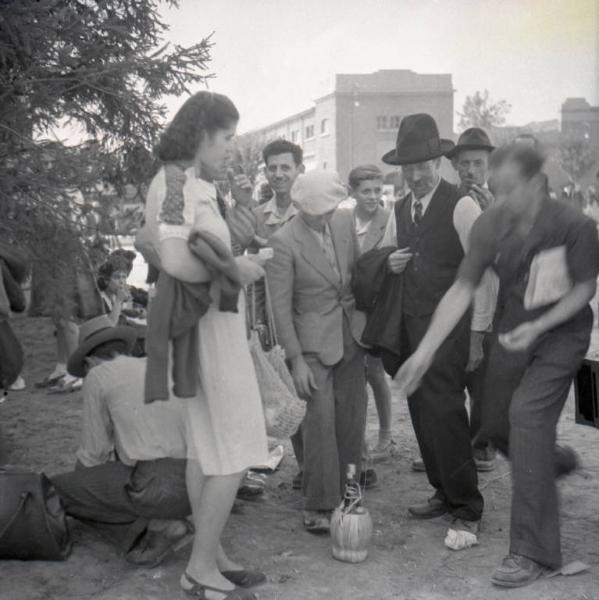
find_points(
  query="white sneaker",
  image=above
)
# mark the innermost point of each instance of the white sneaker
(19, 385)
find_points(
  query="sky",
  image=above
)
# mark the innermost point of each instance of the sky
(274, 57)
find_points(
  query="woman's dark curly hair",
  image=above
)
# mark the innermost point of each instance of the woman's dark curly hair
(204, 112)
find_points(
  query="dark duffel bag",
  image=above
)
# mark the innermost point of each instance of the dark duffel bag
(33, 523)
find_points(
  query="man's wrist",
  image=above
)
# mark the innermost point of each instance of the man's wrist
(538, 326)
(295, 360)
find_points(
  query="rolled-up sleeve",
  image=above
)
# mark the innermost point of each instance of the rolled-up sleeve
(465, 215)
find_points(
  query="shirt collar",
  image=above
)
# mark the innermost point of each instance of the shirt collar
(271, 209)
(425, 200)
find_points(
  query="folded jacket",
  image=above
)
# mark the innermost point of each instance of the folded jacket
(174, 315)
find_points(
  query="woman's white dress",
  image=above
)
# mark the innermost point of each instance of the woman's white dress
(226, 431)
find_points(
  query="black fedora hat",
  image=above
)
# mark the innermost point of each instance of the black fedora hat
(474, 138)
(417, 141)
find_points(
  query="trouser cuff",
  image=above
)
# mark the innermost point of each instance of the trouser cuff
(321, 502)
(539, 555)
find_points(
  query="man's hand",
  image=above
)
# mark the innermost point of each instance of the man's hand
(241, 188)
(303, 378)
(521, 338)
(476, 350)
(412, 371)
(249, 270)
(482, 196)
(398, 260)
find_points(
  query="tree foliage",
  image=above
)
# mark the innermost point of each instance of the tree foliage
(576, 155)
(248, 153)
(100, 68)
(480, 110)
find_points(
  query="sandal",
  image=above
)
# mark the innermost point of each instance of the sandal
(48, 381)
(198, 590)
(64, 387)
(244, 578)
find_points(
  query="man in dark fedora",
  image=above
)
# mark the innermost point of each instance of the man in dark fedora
(430, 227)
(470, 158)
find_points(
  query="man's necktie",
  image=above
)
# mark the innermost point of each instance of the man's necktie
(417, 212)
(329, 250)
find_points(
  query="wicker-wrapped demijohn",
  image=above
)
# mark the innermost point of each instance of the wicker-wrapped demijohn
(351, 524)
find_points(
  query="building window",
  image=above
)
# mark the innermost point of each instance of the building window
(324, 127)
(324, 165)
(294, 136)
(388, 122)
(309, 131)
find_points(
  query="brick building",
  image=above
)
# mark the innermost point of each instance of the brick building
(357, 122)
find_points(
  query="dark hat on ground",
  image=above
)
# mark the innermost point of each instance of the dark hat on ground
(93, 333)
(474, 138)
(417, 141)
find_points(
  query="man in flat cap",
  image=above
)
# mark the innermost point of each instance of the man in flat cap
(430, 227)
(309, 280)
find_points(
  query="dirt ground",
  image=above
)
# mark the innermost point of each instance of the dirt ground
(407, 561)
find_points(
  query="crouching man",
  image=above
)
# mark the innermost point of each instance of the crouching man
(129, 481)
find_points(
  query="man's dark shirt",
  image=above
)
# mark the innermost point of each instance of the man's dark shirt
(496, 242)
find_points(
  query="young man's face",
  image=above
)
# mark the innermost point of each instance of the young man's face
(368, 194)
(472, 167)
(281, 171)
(422, 177)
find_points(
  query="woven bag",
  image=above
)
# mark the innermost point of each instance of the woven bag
(283, 409)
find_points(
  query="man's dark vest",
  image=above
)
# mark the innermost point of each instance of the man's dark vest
(436, 248)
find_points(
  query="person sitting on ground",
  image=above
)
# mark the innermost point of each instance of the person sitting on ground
(129, 481)
(117, 297)
(124, 304)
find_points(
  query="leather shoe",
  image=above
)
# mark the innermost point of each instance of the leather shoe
(516, 571)
(433, 508)
(297, 481)
(317, 521)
